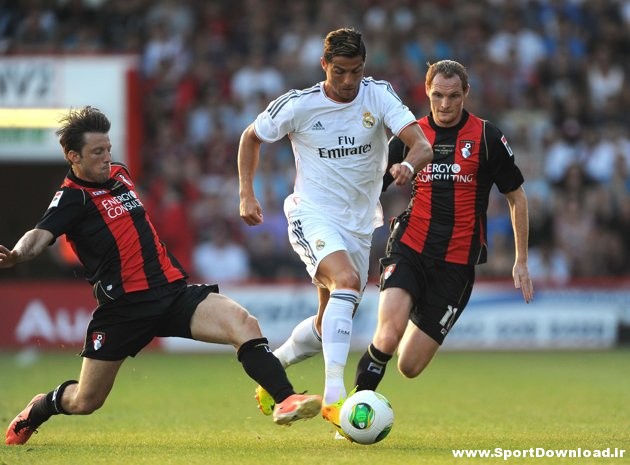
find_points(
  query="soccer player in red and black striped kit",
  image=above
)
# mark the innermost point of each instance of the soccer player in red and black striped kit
(428, 272)
(141, 290)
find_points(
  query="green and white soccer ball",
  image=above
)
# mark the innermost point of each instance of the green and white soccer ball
(366, 417)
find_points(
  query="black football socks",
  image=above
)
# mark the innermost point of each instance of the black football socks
(263, 366)
(371, 369)
(48, 406)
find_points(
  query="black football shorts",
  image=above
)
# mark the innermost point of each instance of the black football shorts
(122, 327)
(440, 290)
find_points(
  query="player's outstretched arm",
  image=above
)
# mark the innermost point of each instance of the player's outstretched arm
(517, 201)
(248, 155)
(30, 245)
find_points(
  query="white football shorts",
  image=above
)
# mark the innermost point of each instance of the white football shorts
(313, 236)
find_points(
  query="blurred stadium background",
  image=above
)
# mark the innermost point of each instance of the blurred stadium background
(181, 79)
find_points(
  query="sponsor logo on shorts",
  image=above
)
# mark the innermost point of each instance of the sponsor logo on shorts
(448, 319)
(98, 339)
(387, 272)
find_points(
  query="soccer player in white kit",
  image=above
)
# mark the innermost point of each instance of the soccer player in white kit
(338, 132)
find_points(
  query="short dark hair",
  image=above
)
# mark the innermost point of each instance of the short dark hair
(448, 68)
(76, 123)
(345, 42)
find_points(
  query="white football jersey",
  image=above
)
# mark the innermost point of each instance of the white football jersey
(340, 149)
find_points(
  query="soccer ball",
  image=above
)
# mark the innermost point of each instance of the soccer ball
(366, 417)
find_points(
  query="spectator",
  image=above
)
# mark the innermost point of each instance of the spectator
(601, 161)
(36, 30)
(515, 38)
(551, 73)
(177, 15)
(257, 77)
(548, 264)
(574, 226)
(164, 49)
(563, 150)
(219, 256)
(605, 77)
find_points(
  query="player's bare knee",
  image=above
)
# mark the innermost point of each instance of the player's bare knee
(245, 323)
(410, 369)
(347, 279)
(251, 325)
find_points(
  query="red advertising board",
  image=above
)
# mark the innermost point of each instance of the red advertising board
(44, 314)
(55, 315)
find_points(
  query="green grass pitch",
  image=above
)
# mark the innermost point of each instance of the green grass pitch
(199, 409)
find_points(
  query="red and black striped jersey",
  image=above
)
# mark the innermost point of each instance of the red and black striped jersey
(446, 218)
(109, 230)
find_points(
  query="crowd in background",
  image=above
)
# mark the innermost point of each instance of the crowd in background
(552, 74)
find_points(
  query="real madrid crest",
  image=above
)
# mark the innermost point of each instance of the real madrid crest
(319, 244)
(368, 120)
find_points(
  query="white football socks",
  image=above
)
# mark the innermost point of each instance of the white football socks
(303, 343)
(336, 334)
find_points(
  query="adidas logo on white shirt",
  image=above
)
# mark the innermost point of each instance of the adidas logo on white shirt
(318, 126)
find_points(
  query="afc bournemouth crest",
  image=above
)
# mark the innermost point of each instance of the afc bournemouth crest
(98, 339)
(387, 272)
(466, 147)
(368, 120)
